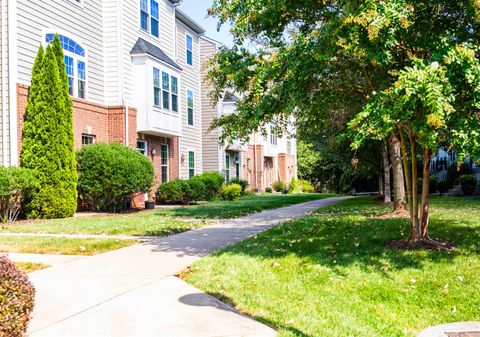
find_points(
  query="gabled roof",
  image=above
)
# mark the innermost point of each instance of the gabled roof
(175, 2)
(189, 22)
(145, 47)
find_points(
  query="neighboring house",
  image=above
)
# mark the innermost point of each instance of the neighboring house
(135, 73)
(262, 160)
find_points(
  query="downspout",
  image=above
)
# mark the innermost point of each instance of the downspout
(4, 88)
(12, 76)
(120, 45)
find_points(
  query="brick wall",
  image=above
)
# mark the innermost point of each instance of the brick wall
(106, 123)
(255, 166)
(286, 167)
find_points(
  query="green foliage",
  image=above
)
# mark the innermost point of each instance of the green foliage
(433, 185)
(306, 186)
(16, 300)
(182, 192)
(469, 184)
(213, 184)
(278, 186)
(16, 184)
(231, 192)
(47, 145)
(268, 190)
(293, 187)
(109, 174)
(443, 186)
(240, 182)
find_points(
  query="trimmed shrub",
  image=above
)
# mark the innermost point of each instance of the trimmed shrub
(278, 186)
(16, 300)
(231, 192)
(268, 190)
(181, 192)
(243, 183)
(196, 190)
(306, 186)
(443, 186)
(48, 143)
(293, 187)
(469, 184)
(213, 184)
(16, 184)
(433, 186)
(109, 174)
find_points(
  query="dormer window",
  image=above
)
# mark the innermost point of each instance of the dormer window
(149, 16)
(75, 63)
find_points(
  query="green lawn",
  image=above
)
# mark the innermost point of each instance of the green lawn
(330, 275)
(28, 267)
(62, 246)
(245, 205)
(147, 223)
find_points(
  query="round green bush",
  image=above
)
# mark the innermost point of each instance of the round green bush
(109, 175)
(293, 187)
(213, 184)
(16, 185)
(231, 192)
(181, 191)
(306, 186)
(16, 300)
(469, 184)
(278, 186)
(243, 183)
(433, 186)
(268, 190)
(443, 186)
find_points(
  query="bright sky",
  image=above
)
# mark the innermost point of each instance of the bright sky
(197, 10)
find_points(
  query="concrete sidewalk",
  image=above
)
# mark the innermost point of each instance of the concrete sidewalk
(131, 291)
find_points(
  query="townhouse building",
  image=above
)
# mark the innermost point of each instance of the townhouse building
(135, 69)
(262, 160)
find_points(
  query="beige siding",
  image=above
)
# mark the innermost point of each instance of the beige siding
(131, 32)
(112, 40)
(81, 23)
(4, 86)
(209, 113)
(191, 136)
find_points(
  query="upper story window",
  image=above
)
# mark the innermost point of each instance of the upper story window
(273, 136)
(190, 107)
(165, 90)
(75, 63)
(149, 16)
(189, 48)
(289, 146)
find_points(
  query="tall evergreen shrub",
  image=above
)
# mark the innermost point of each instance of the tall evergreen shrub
(48, 144)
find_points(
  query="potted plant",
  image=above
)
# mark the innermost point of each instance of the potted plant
(150, 203)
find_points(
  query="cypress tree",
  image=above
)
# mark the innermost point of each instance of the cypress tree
(48, 140)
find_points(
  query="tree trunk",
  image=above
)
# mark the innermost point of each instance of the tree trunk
(380, 183)
(386, 174)
(415, 235)
(424, 212)
(397, 171)
(406, 170)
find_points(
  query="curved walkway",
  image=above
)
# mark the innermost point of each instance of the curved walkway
(132, 292)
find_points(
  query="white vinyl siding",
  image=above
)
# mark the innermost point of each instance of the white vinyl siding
(35, 18)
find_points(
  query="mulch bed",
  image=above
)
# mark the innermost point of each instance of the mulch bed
(423, 244)
(393, 215)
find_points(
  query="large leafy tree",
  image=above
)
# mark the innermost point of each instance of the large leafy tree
(47, 144)
(327, 61)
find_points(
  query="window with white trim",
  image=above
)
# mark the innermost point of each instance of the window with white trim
(88, 139)
(174, 94)
(191, 164)
(190, 107)
(142, 147)
(156, 87)
(149, 16)
(164, 154)
(237, 166)
(189, 49)
(75, 65)
(273, 136)
(289, 146)
(227, 167)
(165, 91)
